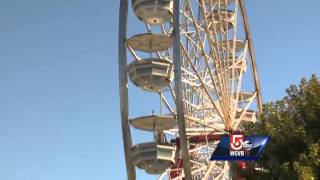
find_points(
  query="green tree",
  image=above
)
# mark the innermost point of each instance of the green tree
(293, 124)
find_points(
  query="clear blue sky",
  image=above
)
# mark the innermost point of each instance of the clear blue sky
(59, 103)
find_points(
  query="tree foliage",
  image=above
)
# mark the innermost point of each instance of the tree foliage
(293, 124)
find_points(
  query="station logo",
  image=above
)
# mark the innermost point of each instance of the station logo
(236, 146)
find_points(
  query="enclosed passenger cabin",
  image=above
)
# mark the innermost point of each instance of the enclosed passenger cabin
(221, 3)
(221, 21)
(151, 74)
(228, 46)
(229, 49)
(150, 42)
(235, 67)
(249, 116)
(153, 11)
(154, 122)
(244, 97)
(153, 158)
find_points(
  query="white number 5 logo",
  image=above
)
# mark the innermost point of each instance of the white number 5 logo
(236, 141)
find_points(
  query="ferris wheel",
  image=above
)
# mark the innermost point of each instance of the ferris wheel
(194, 54)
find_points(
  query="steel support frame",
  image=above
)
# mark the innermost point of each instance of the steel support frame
(123, 89)
(178, 90)
(252, 55)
